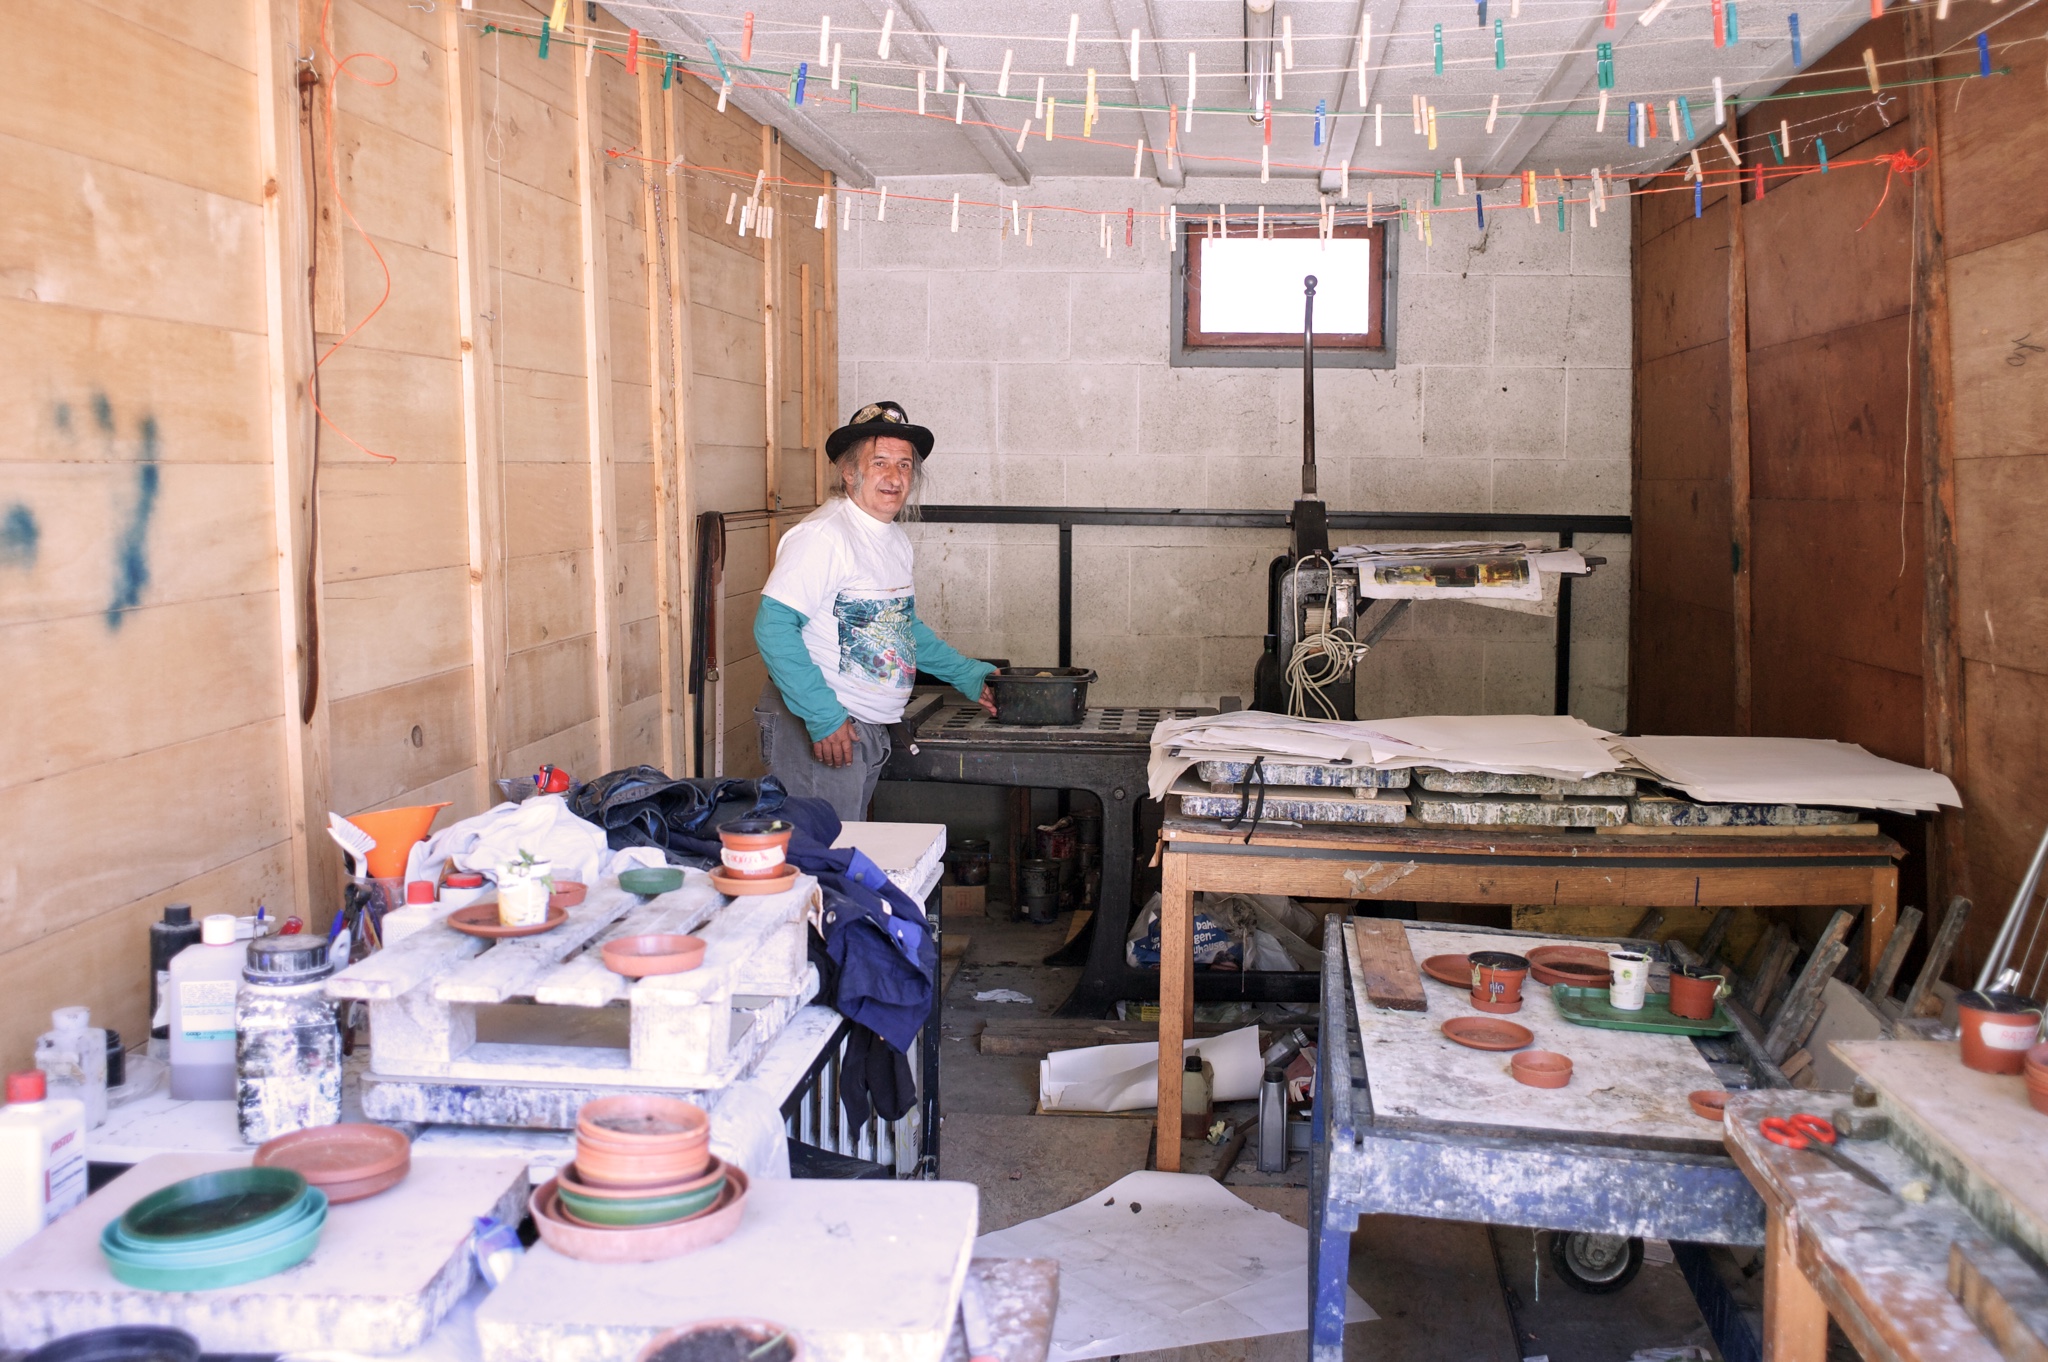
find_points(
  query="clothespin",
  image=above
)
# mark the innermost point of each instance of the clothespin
(1092, 111)
(845, 214)
(1265, 165)
(1321, 109)
(818, 219)
(724, 93)
(1172, 135)
(1611, 6)
(1685, 113)
(559, 19)
(730, 205)
(959, 102)
(1877, 9)
(1188, 118)
(1134, 54)
(1785, 139)
(1696, 173)
(803, 75)
(1162, 226)
(1458, 169)
(1138, 161)
(668, 70)
(1983, 54)
(1649, 128)
(1003, 79)
(1771, 141)
(1479, 208)
(1482, 13)
(1732, 29)
(1364, 48)
(1050, 106)
(1344, 183)
(1718, 19)
(882, 203)
(920, 92)
(1220, 224)
(545, 32)
(1720, 105)
(1262, 222)
(824, 38)
(1130, 225)
(719, 58)
(1436, 193)
(939, 71)
(1415, 112)
(1603, 65)
(1793, 21)
(1173, 226)
(1653, 13)
(1439, 49)
(1820, 145)
(1038, 100)
(1756, 173)
(1379, 125)
(747, 37)
(1029, 220)
(1073, 35)
(1023, 135)
(882, 47)
(853, 96)
(1870, 69)
(956, 210)
(1500, 45)
(1430, 109)
(1634, 121)
(1529, 195)
(1492, 113)
(1600, 118)
(1698, 198)
(1729, 147)
(632, 51)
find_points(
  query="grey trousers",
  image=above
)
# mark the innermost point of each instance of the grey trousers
(786, 752)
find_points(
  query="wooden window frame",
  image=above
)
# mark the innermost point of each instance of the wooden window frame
(1369, 349)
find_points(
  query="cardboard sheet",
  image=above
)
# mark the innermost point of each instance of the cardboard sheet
(1167, 1260)
(1790, 771)
(1126, 1077)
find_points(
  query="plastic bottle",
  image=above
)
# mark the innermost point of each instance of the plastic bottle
(73, 1058)
(287, 1045)
(42, 1158)
(204, 980)
(1196, 1104)
(166, 939)
(1273, 1120)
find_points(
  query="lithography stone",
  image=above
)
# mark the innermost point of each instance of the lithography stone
(1493, 782)
(1570, 811)
(1668, 811)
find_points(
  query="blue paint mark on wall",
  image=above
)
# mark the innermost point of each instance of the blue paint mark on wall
(103, 413)
(62, 414)
(19, 537)
(131, 552)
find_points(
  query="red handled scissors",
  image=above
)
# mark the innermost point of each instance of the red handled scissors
(1816, 1135)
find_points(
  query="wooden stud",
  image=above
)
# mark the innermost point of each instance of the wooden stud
(483, 476)
(1942, 717)
(597, 373)
(679, 505)
(1795, 1316)
(315, 862)
(668, 345)
(828, 344)
(1738, 457)
(808, 373)
(771, 342)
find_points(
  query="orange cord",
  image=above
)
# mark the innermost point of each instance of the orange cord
(1897, 163)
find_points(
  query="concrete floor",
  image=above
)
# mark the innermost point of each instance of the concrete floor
(1445, 1291)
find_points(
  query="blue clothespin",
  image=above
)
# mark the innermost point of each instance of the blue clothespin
(1822, 147)
(1734, 29)
(1322, 108)
(716, 56)
(1685, 117)
(1983, 54)
(1797, 60)
(803, 73)
(1479, 207)
(1697, 195)
(1482, 13)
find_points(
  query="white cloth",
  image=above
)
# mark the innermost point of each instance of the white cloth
(849, 575)
(542, 826)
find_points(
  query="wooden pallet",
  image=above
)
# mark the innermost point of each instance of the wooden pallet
(431, 987)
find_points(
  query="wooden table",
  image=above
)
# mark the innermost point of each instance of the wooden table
(1879, 1266)
(1496, 866)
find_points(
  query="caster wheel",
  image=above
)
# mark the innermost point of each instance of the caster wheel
(1597, 1264)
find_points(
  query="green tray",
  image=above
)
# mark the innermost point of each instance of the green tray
(1589, 1007)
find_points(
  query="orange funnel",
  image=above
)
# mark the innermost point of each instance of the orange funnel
(395, 830)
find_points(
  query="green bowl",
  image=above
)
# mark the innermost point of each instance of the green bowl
(165, 1273)
(213, 1210)
(195, 1254)
(624, 1213)
(649, 882)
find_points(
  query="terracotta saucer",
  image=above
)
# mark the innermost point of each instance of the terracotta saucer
(327, 1156)
(1455, 970)
(1541, 1069)
(567, 893)
(1484, 1033)
(1577, 966)
(481, 919)
(1498, 1009)
(640, 1245)
(727, 885)
(1709, 1104)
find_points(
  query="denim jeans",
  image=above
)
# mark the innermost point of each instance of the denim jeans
(786, 752)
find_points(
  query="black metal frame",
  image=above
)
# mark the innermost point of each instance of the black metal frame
(1065, 518)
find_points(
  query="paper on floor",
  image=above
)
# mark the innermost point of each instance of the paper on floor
(1790, 771)
(1191, 1264)
(1126, 1077)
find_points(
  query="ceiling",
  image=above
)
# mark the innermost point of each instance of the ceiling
(1550, 68)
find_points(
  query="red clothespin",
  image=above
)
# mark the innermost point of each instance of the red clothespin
(1720, 8)
(1756, 177)
(1269, 122)
(1650, 128)
(633, 52)
(1612, 5)
(1130, 224)
(747, 37)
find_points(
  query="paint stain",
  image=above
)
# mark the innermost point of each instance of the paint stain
(103, 413)
(62, 415)
(19, 537)
(131, 552)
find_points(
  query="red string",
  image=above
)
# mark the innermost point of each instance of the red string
(1897, 163)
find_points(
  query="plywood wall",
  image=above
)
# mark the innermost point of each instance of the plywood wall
(545, 351)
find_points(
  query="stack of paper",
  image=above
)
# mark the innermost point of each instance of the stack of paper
(1789, 771)
(1467, 570)
(1512, 744)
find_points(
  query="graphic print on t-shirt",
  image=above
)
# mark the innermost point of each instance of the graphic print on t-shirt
(874, 638)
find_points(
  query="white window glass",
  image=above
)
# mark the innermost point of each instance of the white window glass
(1254, 285)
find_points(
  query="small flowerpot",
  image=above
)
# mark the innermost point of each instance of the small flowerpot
(725, 1340)
(523, 893)
(1541, 1069)
(1998, 1029)
(1694, 996)
(754, 848)
(1497, 980)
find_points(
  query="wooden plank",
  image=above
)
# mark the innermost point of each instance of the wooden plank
(384, 631)
(1387, 966)
(591, 170)
(1894, 955)
(549, 690)
(828, 339)
(1802, 1003)
(771, 329)
(1946, 939)
(2003, 1295)
(1036, 1037)
(396, 739)
(1176, 1000)
(677, 507)
(1740, 548)
(1717, 932)
(1795, 1316)
(484, 518)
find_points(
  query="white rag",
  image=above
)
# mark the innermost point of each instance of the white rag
(542, 827)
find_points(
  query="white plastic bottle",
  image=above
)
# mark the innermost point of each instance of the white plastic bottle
(42, 1158)
(73, 1058)
(204, 982)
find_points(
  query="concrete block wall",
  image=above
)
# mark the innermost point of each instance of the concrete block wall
(1043, 370)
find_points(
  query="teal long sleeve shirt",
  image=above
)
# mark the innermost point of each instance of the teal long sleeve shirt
(779, 633)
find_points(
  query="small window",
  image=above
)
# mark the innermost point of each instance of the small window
(1240, 300)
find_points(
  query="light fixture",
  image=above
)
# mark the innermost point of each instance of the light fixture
(1258, 54)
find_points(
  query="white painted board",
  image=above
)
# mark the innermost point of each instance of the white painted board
(1626, 1086)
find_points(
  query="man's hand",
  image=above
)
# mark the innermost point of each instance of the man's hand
(988, 699)
(836, 748)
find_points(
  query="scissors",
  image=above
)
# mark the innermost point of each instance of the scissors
(1816, 1135)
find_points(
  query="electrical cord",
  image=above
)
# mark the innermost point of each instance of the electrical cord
(1321, 656)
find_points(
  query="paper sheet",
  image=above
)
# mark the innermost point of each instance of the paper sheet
(1126, 1077)
(1191, 1264)
(1790, 771)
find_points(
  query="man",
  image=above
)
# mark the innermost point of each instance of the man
(838, 625)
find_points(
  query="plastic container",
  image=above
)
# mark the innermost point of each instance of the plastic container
(1197, 1101)
(1273, 1119)
(73, 1058)
(1997, 1030)
(523, 891)
(754, 848)
(166, 939)
(204, 981)
(42, 1158)
(287, 1041)
(1040, 696)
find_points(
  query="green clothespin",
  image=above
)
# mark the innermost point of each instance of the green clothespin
(1436, 197)
(1439, 49)
(668, 71)
(543, 40)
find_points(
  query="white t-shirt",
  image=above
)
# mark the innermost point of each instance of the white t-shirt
(849, 575)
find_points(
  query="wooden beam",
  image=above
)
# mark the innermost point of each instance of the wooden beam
(483, 476)
(288, 246)
(661, 219)
(807, 380)
(1738, 454)
(771, 329)
(597, 402)
(1942, 725)
(828, 339)
(679, 510)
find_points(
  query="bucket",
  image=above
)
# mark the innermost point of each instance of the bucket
(1997, 1030)
(395, 831)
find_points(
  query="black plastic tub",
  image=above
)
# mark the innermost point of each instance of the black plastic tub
(1040, 696)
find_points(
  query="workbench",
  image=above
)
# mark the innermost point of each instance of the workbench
(1407, 1123)
(1503, 866)
(1105, 754)
(1885, 1269)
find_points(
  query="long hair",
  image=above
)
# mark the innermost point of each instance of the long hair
(848, 472)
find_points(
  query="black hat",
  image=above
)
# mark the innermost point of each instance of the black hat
(878, 418)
